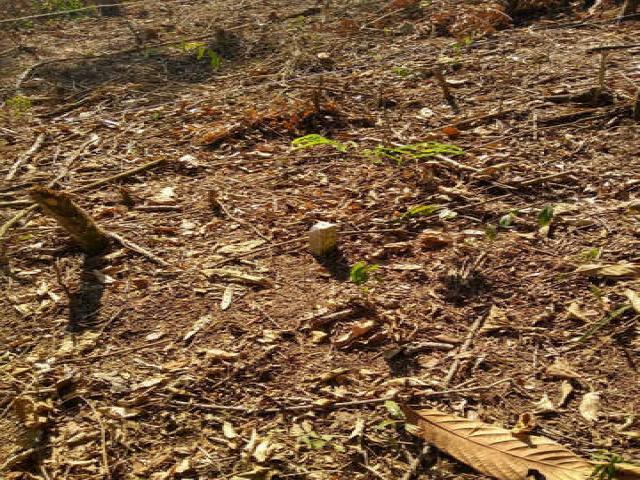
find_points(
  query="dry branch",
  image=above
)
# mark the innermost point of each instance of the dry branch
(34, 148)
(78, 224)
(465, 346)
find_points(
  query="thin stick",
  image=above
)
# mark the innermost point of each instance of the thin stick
(119, 176)
(413, 468)
(553, 176)
(605, 48)
(15, 219)
(448, 96)
(465, 346)
(137, 248)
(23, 158)
(332, 406)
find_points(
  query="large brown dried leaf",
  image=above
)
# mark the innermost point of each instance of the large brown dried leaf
(496, 451)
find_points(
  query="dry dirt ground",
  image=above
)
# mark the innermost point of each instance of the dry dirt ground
(126, 365)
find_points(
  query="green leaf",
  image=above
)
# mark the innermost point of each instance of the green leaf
(422, 211)
(414, 151)
(507, 220)
(314, 140)
(385, 423)
(394, 409)
(545, 216)
(360, 272)
(446, 214)
(596, 326)
(491, 232)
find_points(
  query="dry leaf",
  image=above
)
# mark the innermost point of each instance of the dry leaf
(357, 331)
(526, 424)
(491, 169)
(166, 196)
(318, 336)
(574, 311)
(611, 270)
(201, 323)
(218, 354)
(118, 413)
(262, 451)
(450, 131)
(633, 298)
(626, 471)
(561, 369)
(227, 298)
(590, 406)
(228, 431)
(496, 320)
(433, 239)
(496, 451)
(237, 276)
(565, 391)
(544, 405)
(241, 247)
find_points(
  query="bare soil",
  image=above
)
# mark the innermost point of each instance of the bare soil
(133, 366)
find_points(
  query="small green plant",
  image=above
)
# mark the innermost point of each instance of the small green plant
(401, 71)
(545, 216)
(18, 104)
(606, 467)
(414, 151)
(202, 51)
(590, 254)
(428, 211)
(506, 221)
(314, 140)
(361, 272)
(55, 6)
(603, 322)
(491, 232)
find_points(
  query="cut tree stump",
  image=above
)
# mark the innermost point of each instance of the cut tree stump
(629, 8)
(108, 8)
(82, 228)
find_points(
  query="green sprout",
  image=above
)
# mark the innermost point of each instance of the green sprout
(361, 272)
(414, 151)
(606, 468)
(545, 216)
(314, 140)
(18, 104)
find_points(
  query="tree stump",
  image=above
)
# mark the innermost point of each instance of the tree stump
(109, 11)
(77, 223)
(629, 8)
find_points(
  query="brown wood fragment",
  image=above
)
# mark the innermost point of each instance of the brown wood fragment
(446, 91)
(109, 8)
(82, 228)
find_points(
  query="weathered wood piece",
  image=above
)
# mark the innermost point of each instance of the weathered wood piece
(78, 224)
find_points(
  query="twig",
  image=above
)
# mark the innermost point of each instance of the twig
(605, 48)
(553, 176)
(16, 203)
(103, 438)
(23, 158)
(137, 248)
(114, 352)
(465, 346)
(331, 406)
(15, 219)
(119, 176)
(373, 471)
(413, 468)
(18, 216)
(448, 96)
(242, 222)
